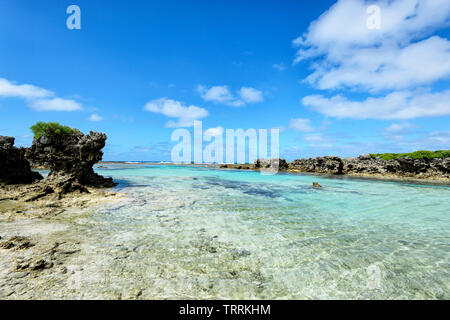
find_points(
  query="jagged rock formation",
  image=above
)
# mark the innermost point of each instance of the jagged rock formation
(364, 165)
(14, 168)
(331, 165)
(270, 163)
(70, 159)
(401, 167)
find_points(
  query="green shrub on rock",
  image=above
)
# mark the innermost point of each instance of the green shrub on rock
(46, 129)
(422, 154)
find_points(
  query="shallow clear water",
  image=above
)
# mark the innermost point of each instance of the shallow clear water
(189, 232)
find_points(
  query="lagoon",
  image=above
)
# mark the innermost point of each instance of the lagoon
(203, 233)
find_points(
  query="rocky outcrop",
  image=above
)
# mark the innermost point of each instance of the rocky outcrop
(271, 164)
(401, 167)
(14, 168)
(70, 158)
(365, 165)
(331, 165)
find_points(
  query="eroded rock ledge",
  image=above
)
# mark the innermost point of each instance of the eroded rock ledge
(364, 165)
(405, 167)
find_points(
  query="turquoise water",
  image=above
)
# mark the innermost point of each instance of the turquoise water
(187, 232)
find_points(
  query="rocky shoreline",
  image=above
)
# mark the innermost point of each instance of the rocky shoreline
(70, 159)
(366, 166)
(363, 166)
(34, 209)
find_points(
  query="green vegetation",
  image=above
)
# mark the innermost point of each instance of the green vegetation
(423, 154)
(47, 129)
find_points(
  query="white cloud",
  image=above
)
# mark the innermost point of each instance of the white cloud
(140, 149)
(400, 128)
(55, 104)
(279, 66)
(316, 137)
(303, 125)
(318, 140)
(219, 94)
(24, 91)
(250, 95)
(213, 132)
(438, 140)
(185, 115)
(396, 132)
(396, 105)
(223, 95)
(95, 118)
(395, 57)
(37, 98)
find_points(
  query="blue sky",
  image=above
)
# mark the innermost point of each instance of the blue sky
(136, 71)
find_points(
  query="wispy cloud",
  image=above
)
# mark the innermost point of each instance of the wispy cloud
(400, 128)
(318, 140)
(213, 132)
(95, 117)
(184, 115)
(250, 95)
(279, 66)
(223, 95)
(302, 125)
(24, 91)
(437, 140)
(37, 98)
(396, 105)
(55, 104)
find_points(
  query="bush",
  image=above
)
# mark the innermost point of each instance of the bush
(47, 129)
(423, 154)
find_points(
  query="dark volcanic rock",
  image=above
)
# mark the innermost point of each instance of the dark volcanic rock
(402, 167)
(270, 164)
(332, 165)
(364, 165)
(14, 168)
(70, 158)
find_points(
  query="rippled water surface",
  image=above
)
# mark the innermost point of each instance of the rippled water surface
(189, 232)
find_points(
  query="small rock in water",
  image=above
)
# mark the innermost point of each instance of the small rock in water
(16, 242)
(316, 185)
(40, 264)
(240, 253)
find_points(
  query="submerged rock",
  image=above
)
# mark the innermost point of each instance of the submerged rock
(316, 185)
(14, 167)
(70, 159)
(16, 243)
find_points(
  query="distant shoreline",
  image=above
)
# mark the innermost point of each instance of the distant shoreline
(246, 167)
